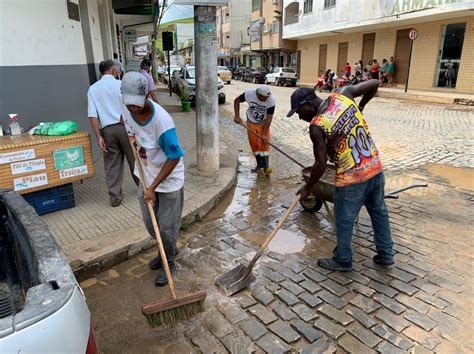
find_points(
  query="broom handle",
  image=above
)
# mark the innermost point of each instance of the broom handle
(273, 146)
(273, 233)
(164, 260)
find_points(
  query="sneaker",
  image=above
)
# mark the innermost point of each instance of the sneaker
(115, 202)
(331, 264)
(382, 260)
(161, 279)
(257, 169)
(268, 170)
(156, 264)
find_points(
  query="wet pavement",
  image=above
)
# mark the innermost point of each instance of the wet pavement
(421, 304)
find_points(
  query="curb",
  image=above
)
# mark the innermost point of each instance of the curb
(101, 262)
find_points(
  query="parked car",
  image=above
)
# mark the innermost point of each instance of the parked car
(42, 307)
(255, 75)
(186, 77)
(172, 69)
(282, 76)
(238, 73)
(224, 73)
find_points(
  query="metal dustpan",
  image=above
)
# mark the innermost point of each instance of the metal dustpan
(241, 276)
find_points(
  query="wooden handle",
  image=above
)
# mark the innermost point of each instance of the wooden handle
(164, 260)
(274, 231)
(273, 146)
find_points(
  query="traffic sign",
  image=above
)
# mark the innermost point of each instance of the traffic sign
(413, 34)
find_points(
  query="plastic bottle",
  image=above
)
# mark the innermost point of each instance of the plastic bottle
(14, 125)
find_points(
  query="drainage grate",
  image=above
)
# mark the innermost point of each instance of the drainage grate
(7, 303)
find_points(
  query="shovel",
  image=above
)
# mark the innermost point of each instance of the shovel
(241, 276)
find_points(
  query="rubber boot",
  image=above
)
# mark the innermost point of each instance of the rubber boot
(259, 164)
(266, 165)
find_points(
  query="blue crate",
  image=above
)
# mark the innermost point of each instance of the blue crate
(52, 199)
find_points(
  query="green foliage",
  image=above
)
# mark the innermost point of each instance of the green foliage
(184, 94)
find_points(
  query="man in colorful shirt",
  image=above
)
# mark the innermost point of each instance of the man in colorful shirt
(261, 107)
(339, 132)
(162, 160)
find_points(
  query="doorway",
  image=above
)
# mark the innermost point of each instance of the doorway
(368, 46)
(323, 54)
(342, 58)
(402, 56)
(452, 40)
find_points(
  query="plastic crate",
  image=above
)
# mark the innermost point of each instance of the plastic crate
(52, 199)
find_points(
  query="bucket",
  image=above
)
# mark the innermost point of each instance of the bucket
(186, 106)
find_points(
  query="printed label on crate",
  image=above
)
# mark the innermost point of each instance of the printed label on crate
(28, 166)
(73, 172)
(15, 156)
(68, 158)
(30, 181)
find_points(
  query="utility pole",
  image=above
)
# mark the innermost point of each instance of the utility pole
(207, 125)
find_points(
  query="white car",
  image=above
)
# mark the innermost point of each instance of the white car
(186, 78)
(42, 307)
(282, 76)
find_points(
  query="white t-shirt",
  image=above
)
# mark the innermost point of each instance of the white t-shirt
(159, 138)
(257, 110)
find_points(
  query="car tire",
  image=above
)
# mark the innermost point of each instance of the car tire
(221, 100)
(228, 82)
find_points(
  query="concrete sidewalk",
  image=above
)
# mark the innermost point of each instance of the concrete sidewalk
(95, 236)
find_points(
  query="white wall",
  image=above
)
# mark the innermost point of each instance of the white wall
(349, 14)
(94, 25)
(39, 33)
(239, 16)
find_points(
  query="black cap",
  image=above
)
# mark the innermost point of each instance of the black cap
(300, 96)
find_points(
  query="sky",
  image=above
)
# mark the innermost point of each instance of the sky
(176, 12)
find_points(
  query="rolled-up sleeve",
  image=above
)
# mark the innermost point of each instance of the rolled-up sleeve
(169, 142)
(91, 107)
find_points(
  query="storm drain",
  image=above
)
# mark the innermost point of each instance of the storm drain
(7, 303)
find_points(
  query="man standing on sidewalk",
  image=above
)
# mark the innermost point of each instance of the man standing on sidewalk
(104, 110)
(161, 157)
(339, 131)
(261, 107)
(145, 67)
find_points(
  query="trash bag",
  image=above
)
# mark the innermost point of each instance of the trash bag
(56, 128)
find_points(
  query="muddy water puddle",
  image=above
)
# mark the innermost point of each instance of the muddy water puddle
(284, 242)
(454, 176)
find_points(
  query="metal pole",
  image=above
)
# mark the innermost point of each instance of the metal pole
(169, 71)
(409, 64)
(207, 125)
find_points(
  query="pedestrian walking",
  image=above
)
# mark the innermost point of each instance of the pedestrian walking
(339, 132)
(261, 107)
(145, 68)
(347, 71)
(161, 157)
(358, 68)
(449, 75)
(104, 109)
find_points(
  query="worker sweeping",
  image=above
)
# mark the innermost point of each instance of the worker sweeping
(261, 107)
(161, 191)
(339, 131)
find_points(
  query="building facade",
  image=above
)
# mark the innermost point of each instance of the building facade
(331, 33)
(231, 31)
(266, 36)
(51, 51)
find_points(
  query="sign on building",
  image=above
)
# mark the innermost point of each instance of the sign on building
(413, 34)
(130, 35)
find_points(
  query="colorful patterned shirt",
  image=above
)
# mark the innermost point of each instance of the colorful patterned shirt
(349, 144)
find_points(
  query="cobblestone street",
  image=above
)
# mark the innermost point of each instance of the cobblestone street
(422, 304)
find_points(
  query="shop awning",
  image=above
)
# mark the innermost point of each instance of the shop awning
(135, 7)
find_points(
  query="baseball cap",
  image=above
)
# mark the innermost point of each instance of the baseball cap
(134, 89)
(300, 96)
(264, 90)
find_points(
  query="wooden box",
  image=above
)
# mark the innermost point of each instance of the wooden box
(32, 163)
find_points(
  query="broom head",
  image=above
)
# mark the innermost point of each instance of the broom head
(170, 311)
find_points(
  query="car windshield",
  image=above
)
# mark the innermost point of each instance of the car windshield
(222, 68)
(190, 73)
(285, 70)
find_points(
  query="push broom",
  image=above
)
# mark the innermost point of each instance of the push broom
(176, 309)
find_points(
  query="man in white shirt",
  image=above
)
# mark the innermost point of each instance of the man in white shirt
(161, 157)
(104, 112)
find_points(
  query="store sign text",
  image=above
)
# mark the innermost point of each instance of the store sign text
(73, 172)
(28, 182)
(27, 166)
(15, 156)
(402, 6)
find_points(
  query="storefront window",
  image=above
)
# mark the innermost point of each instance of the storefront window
(452, 38)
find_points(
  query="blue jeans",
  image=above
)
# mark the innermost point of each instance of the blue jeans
(347, 204)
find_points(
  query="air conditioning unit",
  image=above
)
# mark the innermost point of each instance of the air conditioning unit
(261, 20)
(275, 2)
(267, 28)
